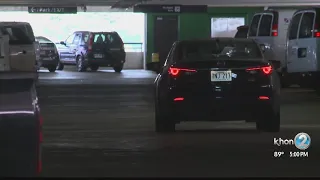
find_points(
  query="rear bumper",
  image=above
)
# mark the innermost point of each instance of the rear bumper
(103, 62)
(45, 63)
(219, 109)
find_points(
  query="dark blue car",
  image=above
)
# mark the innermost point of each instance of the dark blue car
(92, 50)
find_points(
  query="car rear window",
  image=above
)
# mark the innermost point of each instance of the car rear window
(43, 40)
(242, 33)
(18, 34)
(265, 25)
(254, 25)
(111, 38)
(218, 50)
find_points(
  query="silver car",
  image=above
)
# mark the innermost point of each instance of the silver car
(47, 54)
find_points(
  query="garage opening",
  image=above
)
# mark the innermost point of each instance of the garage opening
(225, 27)
(59, 27)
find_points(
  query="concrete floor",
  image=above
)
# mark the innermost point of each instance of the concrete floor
(102, 124)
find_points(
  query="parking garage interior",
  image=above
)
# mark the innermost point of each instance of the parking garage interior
(101, 124)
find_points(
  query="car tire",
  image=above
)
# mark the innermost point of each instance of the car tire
(60, 66)
(94, 67)
(80, 65)
(164, 122)
(118, 68)
(269, 123)
(52, 68)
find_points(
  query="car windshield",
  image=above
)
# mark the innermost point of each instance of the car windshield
(43, 40)
(219, 50)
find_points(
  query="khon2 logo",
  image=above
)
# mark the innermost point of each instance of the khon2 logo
(302, 141)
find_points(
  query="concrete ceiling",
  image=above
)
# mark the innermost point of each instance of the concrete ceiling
(130, 3)
(239, 3)
(119, 3)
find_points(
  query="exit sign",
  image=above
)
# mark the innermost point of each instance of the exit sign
(53, 10)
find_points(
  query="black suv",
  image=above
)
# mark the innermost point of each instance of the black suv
(92, 49)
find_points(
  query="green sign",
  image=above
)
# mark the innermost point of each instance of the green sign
(53, 10)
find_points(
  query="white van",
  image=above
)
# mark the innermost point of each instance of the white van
(303, 52)
(270, 27)
(22, 46)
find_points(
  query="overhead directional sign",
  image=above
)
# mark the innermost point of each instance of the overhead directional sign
(151, 8)
(53, 10)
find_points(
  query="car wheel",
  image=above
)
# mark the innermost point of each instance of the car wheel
(164, 122)
(94, 67)
(60, 66)
(52, 68)
(80, 65)
(118, 68)
(269, 123)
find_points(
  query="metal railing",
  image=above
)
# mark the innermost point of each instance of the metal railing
(133, 47)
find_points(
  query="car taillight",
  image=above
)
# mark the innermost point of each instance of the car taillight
(175, 71)
(316, 31)
(265, 69)
(90, 42)
(274, 30)
(122, 46)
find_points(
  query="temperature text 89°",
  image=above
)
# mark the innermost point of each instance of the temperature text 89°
(278, 154)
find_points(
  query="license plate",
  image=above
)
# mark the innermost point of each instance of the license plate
(47, 58)
(43, 53)
(97, 55)
(217, 76)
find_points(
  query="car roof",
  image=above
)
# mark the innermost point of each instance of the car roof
(243, 27)
(317, 9)
(95, 32)
(13, 23)
(244, 40)
(269, 11)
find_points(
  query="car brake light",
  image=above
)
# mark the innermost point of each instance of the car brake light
(90, 42)
(122, 46)
(265, 69)
(316, 31)
(176, 71)
(274, 30)
(263, 97)
(178, 99)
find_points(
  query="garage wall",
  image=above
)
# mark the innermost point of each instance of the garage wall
(196, 26)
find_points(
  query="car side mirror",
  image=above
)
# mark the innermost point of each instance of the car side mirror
(62, 42)
(263, 48)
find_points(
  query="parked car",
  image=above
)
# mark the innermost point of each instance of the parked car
(222, 79)
(48, 54)
(270, 28)
(93, 50)
(20, 126)
(22, 46)
(303, 56)
(242, 32)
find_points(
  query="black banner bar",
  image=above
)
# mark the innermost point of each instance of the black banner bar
(53, 10)
(150, 8)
